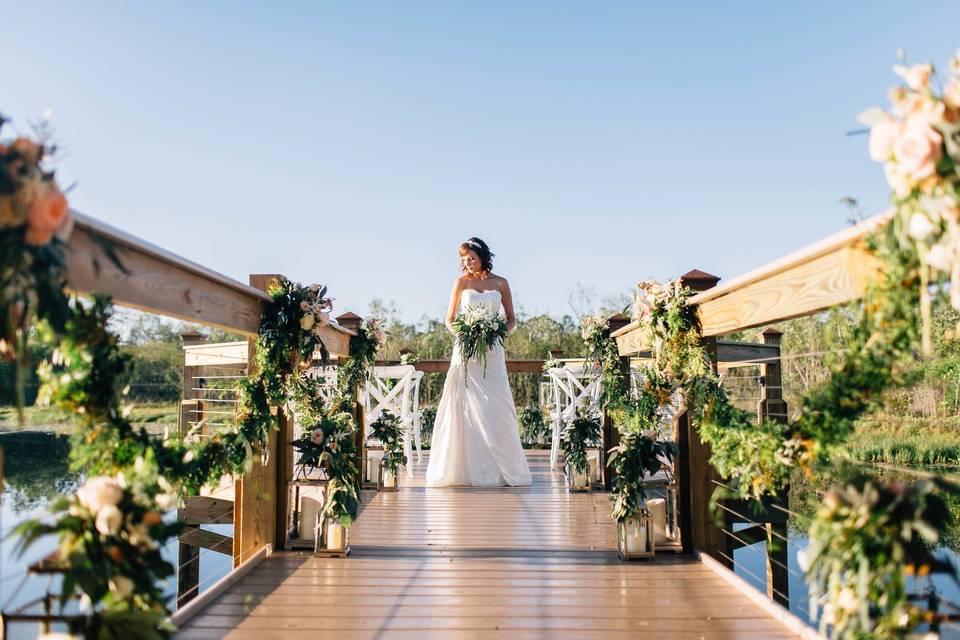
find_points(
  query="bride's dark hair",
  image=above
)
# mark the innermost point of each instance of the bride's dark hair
(483, 252)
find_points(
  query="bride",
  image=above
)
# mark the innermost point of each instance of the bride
(476, 438)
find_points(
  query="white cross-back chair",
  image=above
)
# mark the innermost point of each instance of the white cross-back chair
(574, 385)
(396, 389)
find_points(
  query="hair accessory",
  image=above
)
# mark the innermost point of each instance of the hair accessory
(471, 243)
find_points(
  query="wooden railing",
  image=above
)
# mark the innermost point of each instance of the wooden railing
(135, 273)
(832, 272)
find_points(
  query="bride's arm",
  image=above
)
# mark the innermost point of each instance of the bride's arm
(454, 303)
(508, 305)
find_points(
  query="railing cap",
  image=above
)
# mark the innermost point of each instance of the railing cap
(699, 280)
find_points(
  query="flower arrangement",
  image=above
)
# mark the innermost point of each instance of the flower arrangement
(389, 432)
(648, 293)
(864, 541)
(34, 223)
(409, 358)
(479, 328)
(579, 434)
(552, 363)
(602, 350)
(638, 456)
(111, 533)
(918, 142)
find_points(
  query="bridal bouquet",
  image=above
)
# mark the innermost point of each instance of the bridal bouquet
(479, 328)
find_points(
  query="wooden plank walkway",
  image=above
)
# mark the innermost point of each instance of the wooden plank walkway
(534, 562)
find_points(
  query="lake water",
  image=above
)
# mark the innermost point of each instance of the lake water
(35, 469)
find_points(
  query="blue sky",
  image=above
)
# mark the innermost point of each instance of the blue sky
(357, 143)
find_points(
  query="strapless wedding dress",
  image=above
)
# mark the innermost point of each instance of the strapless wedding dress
(476, 438)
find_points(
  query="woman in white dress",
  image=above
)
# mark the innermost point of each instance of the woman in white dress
(476, 438)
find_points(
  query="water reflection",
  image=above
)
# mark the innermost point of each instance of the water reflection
(36, 468)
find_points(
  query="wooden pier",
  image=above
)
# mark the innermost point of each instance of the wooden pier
(530, 562)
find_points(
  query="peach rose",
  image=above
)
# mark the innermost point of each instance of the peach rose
(46, 216)
(900, 184)
(109, 520)
(917, 149)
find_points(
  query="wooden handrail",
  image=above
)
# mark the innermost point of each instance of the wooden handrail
(157, 281)
(831, 272)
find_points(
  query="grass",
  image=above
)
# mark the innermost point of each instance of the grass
(51, 419)
(907, 440)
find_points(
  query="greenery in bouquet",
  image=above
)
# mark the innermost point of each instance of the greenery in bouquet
(35, 222)
(865, 541)
(479, 328)
(578, 435)
(639, 456)
(389, 432)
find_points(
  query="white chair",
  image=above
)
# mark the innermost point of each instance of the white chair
(574, 385)
(391, 388)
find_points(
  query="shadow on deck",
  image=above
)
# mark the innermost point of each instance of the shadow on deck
(531, 562)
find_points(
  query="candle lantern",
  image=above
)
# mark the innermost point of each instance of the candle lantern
(635, 536)
(577, 480)
(387, 478)
(306, 500)
(334, 538)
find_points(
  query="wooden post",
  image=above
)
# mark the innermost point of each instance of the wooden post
(773, 407)
(696, 475)
(256, 497)
(188, 575)
(610, 436)
(354, 322)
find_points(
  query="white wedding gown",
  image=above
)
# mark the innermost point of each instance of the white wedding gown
(476, 438)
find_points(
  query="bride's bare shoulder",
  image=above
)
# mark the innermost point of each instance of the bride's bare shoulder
(500, 281)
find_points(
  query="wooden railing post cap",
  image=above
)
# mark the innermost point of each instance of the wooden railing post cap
(618, 321)
(699, 280)
(771, 335)
(555, 352)
(192, 337)
(350, 320)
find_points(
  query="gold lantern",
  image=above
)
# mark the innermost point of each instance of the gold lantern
(306, 500)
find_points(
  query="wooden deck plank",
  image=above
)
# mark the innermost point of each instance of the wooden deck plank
(524, 562)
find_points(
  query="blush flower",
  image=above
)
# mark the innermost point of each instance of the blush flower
(917, 149)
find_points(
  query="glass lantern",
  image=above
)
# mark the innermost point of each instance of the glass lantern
(577, 480)
(387, 478)
(335, 538)
(306, 500)
(666, 521)
(371, 467)
(635, 536)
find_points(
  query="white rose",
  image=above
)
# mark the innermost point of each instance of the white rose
(882, 136)
(100, 491)
(920, 227)
(917, 76)
(306, 322)
(917, 149)
(803, 559)
(900, 184)
(939, 257)
(109, 520)
(121, 587)
(166, 501)
(848, 600)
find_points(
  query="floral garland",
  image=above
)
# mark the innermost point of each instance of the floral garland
(34, 223)
(602, 350)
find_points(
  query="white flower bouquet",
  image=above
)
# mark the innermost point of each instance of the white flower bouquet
(479, 328)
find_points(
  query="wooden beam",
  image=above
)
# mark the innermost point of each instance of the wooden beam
(831, 272)
(210, 540)
(199, 510)
(441, 366)
(156, 280)
(745, 353)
